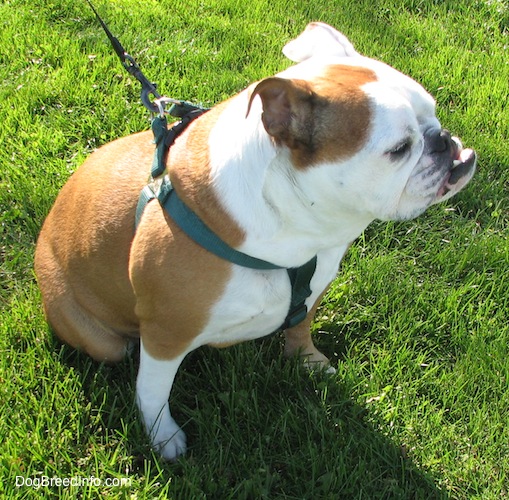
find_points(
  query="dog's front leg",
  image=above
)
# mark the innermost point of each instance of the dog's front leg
(153, 387)
(298, 342)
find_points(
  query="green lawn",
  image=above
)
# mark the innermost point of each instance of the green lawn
(416, 321)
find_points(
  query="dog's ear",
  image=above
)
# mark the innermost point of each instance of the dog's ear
(319, 39)
(287, 107)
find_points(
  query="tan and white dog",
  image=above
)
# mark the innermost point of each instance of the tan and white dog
(295, 166)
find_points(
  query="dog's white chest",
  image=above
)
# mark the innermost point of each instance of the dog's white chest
(256, 303)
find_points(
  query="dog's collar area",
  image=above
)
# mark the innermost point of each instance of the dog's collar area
(197, 230)
(161, 188)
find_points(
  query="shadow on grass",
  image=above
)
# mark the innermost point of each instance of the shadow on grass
(258, 426)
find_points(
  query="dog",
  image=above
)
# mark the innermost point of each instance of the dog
(293, 168)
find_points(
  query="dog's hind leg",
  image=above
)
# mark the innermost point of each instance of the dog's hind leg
(83, 331)
(69, 319)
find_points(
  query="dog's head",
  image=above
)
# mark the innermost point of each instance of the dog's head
(361, 136)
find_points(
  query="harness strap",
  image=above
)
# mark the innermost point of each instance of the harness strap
(164, 137)
(192, 225)
(300, 279)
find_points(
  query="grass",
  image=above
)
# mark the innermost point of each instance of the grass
(416, 320)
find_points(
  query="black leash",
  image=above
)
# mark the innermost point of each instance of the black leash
(178, 109)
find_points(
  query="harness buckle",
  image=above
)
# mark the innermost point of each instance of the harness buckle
(295, 317)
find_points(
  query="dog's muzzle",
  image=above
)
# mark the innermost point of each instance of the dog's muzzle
(459, 162)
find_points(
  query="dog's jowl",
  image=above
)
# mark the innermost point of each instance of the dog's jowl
(289, 171)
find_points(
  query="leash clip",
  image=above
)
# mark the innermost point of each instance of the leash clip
(161, 103)
(179, 108)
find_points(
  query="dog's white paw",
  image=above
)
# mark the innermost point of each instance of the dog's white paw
(170, 442)
(315, 361)
(322, 366)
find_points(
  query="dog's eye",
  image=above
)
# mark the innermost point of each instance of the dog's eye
(401, 149)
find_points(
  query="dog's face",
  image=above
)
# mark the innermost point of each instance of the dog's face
(407, 162)
(366, 138)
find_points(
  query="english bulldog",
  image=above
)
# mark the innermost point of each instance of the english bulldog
(295, 166)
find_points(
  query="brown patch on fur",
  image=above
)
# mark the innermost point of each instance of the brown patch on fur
(176, 282)
(177, 288)
(189, 167)
(322, 120)
(97, 290)
(339, 123)
(82, 254)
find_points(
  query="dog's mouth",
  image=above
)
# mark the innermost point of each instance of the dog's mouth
(461, 171)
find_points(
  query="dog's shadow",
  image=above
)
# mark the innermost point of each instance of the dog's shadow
(257, 425)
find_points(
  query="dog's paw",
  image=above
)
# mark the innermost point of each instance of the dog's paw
(312, 359)
(170, 443)
(319, 365)
(315, 361)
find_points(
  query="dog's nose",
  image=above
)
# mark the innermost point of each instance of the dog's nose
(441, 142)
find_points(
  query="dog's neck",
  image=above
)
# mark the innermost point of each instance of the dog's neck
(244, 187)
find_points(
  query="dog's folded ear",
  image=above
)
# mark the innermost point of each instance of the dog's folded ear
(287, 109)
(319, 39)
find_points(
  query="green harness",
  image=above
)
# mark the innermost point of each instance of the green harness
(160, 188)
